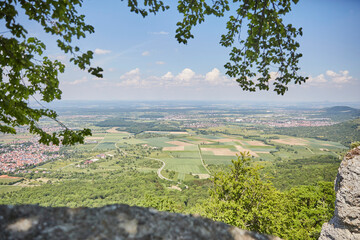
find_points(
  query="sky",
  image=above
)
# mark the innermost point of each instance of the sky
(143, 61)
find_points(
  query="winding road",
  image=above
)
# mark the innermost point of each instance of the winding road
(158, 171)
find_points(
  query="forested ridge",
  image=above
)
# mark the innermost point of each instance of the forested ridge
(344, 132)
(132, 126)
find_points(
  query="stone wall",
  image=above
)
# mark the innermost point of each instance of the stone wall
(345, 224)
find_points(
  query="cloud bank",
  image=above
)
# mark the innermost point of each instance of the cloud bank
(99, 51)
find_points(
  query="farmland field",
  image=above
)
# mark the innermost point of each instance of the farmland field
(180, 152)
(188, 142)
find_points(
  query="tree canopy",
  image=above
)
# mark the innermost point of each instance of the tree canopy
(255, 32)
(241, 198)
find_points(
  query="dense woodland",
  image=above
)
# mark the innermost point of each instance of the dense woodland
(129, 125)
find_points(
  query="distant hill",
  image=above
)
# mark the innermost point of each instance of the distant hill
(345, 132)
(338, 109)
(340, 113)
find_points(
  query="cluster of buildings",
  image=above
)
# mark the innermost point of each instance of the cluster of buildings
(303, 123)
(294, 123)
(287, 122)
(25, 153)
(201, 125)
(90, 161)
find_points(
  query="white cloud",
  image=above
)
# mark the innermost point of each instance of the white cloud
(273, 76)
(160, 62)
(131, 78)
(101, 51)
(167, 76)
(78, 81)
(317, 80)
(186, 75)
(330, 77)
(129, 83)
(338, 78)
(160, 33)
(132, 74)
(214, 77)
(330, 73)
(98, 79)
(185, 78)
(146, 53)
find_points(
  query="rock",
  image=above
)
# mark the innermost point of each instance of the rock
(345, 223)
(111, 222)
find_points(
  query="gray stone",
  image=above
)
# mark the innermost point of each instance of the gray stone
(112, 222)
(345, 223)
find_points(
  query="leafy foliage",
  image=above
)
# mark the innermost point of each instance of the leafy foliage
(305, 171)
(25, 72)
(268, 41)
(242, 199)
(238, 197)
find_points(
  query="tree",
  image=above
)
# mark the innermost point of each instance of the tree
(25, 72)
(241, 198)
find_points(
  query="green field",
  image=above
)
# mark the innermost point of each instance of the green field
(217, 160)
(184, 165)
(188, 160)
(7, 188)
(159, 142)
(104, 146)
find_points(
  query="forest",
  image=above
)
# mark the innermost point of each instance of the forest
(136, 127)
(344, 132)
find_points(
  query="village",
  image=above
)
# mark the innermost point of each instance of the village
(25, 153)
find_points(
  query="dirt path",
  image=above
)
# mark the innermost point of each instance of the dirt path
(202, 160)
(310, 150)
(99, 142)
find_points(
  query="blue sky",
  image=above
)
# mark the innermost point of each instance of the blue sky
(143, 61)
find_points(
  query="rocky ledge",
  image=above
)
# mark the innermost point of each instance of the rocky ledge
(345, 223)
(111, 222)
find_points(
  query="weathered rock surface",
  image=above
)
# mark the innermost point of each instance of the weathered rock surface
(345, 223)
(111, 222)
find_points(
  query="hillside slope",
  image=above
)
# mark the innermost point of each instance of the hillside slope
(345, 132)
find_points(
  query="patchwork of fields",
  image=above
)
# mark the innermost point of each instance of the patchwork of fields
(184, 152)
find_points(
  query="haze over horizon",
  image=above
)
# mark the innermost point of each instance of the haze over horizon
(143, 61)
